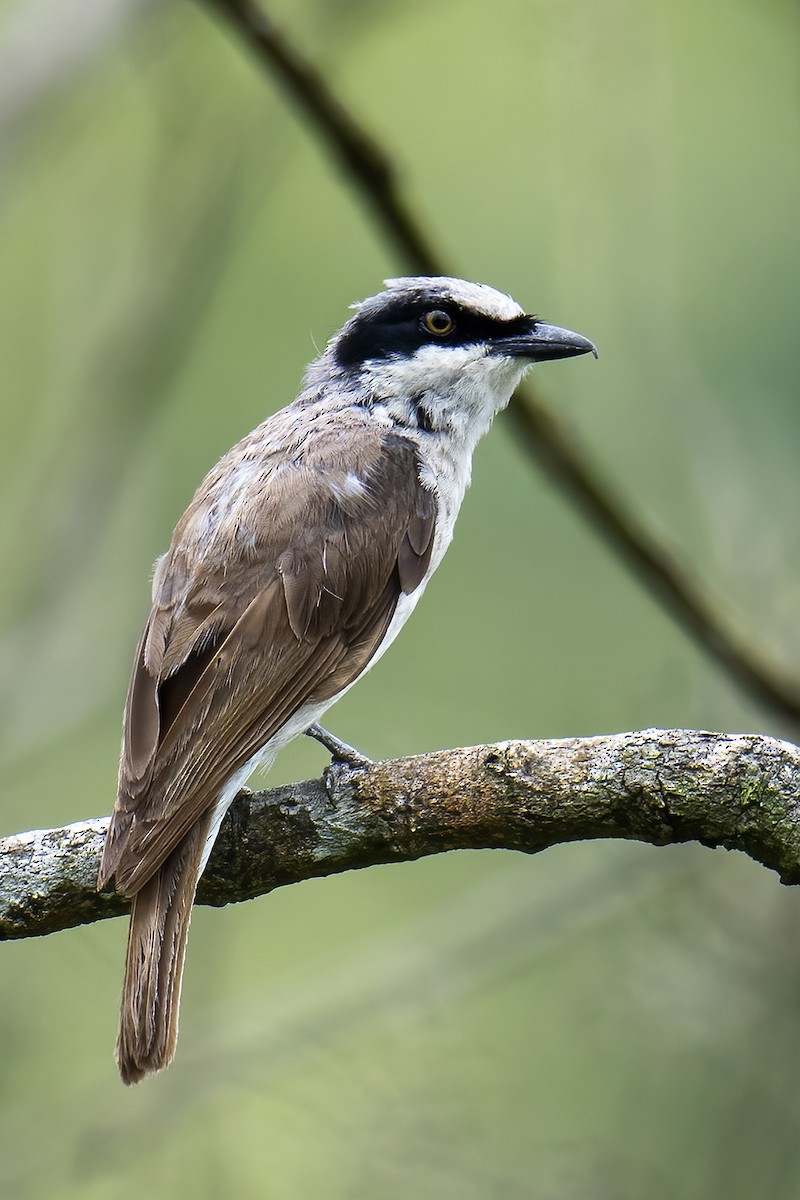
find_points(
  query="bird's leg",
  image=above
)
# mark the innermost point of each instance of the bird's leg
(339, 751)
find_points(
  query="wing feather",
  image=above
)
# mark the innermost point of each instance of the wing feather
(286, 606)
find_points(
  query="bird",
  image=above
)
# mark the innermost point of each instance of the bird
(299, 559)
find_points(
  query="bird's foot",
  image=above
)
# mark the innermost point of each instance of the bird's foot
(339, 751)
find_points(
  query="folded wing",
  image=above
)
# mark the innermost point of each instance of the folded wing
(272, 595)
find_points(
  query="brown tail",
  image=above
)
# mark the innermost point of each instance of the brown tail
(151, 989)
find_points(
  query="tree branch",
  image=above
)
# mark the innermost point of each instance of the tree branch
(657, 786)
(372, 172)
(356, 150)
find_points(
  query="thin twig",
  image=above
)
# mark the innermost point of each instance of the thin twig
(369, 167)
(653, 565)
(657, 786)
(357, 152)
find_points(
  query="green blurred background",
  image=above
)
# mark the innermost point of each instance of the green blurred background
(605, 1021)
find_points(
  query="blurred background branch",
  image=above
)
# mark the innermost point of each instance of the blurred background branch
(556, 449)
(46, 42)
(658, 786)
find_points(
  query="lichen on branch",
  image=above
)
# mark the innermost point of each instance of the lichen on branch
(659, 786)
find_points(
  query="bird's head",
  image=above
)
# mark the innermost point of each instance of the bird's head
(457, 348)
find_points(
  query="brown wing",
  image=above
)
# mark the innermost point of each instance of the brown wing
(285, 606)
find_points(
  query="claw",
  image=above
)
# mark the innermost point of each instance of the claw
(339, 751)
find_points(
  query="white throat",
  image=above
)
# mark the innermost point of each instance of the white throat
(461, 389)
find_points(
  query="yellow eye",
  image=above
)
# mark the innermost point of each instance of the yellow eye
(438, 322)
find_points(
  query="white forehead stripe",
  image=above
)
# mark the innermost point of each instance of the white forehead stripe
(476, 296)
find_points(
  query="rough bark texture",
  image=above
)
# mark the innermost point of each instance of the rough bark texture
(657, 786)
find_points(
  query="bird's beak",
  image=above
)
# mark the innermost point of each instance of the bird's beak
(540, 342)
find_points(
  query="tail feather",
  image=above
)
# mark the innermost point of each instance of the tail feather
(151, 988)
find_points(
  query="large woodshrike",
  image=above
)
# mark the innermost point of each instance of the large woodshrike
(299, 559)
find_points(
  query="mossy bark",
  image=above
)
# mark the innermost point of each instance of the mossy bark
(657, 786)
